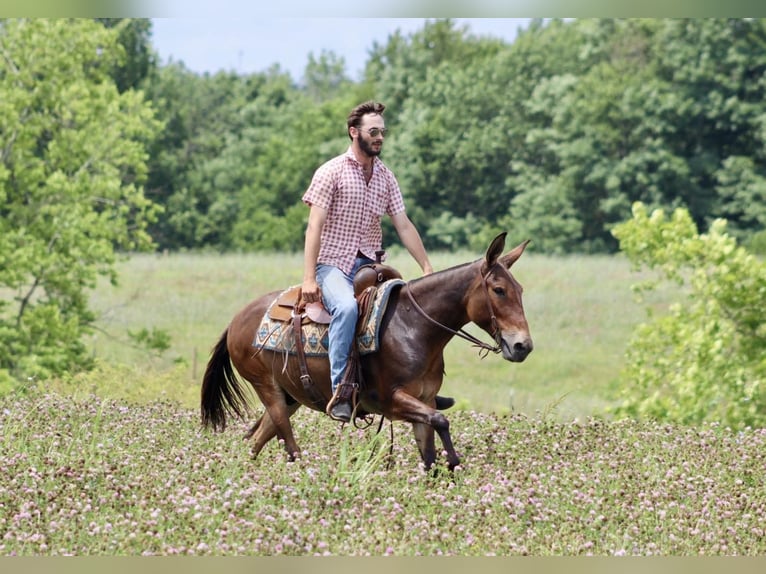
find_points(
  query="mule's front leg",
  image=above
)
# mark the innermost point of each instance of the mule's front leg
(424, 438)
(408, 408)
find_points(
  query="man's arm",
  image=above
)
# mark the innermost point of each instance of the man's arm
(412, 241)
(310, 288)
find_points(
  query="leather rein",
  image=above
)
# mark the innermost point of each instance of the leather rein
(463, 334)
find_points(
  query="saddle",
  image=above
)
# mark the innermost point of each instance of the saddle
(290, 307)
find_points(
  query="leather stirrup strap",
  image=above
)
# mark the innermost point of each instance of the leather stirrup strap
(308, 383)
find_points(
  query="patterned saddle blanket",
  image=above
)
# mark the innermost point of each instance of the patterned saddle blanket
(276, 335)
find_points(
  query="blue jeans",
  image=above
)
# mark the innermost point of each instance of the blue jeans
(338, 298)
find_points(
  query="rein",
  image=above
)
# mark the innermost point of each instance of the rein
(485, 348)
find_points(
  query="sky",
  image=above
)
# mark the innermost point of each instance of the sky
(251, 44)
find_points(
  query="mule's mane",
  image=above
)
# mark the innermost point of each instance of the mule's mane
(437, 274)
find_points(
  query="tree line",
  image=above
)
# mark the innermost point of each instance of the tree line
(551, 137)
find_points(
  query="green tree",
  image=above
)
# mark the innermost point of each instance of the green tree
(715, 69)
(741, 187)
(218, 128)
(460, 142)
(140, 60)
(281, 157)
(593, 145)
(665, 112)
(437, 84)
(72, 163)
(201, 115)
(704, 360)
(325, 77)
(404, 62)
(552, 137)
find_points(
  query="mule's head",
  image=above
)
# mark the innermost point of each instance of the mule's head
(497, 294)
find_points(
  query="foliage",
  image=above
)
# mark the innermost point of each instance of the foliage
(99, 476)
(704, 361)
(553, 136)
(71, 169)
(557, 134)
(325, 76)
(281, 162)
(156, 339)
(450, 232)
(756, 243)
(188, 174)
(139, 61)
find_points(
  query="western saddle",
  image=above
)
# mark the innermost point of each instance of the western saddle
(290, 307)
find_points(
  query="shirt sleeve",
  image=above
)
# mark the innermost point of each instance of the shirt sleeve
(322, 186)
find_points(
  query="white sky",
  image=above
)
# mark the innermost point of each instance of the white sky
(251, 44)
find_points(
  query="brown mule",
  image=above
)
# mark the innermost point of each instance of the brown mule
(402, 379)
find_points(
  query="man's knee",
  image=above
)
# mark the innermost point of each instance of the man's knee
(347, 310)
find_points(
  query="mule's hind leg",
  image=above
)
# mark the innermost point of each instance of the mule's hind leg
(277, 423)
(264, 430)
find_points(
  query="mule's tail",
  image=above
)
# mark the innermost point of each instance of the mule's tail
(222, 393)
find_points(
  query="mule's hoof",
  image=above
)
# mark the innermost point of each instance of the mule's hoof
(443, 403)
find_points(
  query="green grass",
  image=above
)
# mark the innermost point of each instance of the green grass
(581, 313)
(95, 476)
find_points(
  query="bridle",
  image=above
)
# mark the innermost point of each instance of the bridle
(496, 334)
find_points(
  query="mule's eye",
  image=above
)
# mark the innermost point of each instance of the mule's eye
(499, 291)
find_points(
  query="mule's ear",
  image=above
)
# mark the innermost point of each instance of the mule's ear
(495, 249)
(511, 257)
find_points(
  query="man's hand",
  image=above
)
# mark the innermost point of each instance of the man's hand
(311, 291)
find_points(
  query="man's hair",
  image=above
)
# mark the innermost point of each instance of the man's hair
(355, 117)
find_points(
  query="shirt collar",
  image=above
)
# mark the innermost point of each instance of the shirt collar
(350, 155)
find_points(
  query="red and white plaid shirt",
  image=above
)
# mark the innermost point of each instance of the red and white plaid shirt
(354, 208)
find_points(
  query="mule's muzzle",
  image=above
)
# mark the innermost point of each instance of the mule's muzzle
(516, 347)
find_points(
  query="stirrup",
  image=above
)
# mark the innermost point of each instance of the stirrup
(344, 392)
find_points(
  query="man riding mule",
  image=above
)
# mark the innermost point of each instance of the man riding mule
(401, 378)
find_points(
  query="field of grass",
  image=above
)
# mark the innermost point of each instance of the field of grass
(580, 309)
(96, 476)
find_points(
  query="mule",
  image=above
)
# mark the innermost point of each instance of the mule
(400, 380)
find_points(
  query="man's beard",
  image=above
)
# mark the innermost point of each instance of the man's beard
(367, 148)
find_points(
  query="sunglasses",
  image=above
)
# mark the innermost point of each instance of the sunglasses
(375, 132)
